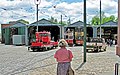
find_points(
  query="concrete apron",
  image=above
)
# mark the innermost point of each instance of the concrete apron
(108, 73)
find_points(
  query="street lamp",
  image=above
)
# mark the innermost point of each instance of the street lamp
(37, 2)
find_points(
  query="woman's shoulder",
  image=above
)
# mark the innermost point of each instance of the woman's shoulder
(68, 49)
(59, 50)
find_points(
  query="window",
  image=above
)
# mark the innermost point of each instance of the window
(44, 34)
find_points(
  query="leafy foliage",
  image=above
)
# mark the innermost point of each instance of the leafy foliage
(96, 19)
(23, 21)
(55, 21)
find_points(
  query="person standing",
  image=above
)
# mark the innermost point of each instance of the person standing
(63, 57)
(113, 42)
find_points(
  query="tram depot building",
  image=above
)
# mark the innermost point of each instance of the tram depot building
(27, 31)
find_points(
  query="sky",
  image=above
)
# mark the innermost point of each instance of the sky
(12, 10)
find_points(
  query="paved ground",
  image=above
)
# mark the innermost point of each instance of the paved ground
(16, 60)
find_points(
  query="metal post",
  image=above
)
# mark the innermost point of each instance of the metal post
(37, 16)
(26, 35)
(37, 2)
(116, 68)
(61, 27)
(100, 18)
(84, 30)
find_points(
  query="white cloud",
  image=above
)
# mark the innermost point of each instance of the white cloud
(26, 9)
(107, 6)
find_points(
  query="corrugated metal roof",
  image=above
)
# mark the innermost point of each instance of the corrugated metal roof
(18, 24)
(110, 23)
(43, 22)
(44, 25)
(77, 24)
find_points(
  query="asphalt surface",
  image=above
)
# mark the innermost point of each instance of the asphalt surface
(17, 60)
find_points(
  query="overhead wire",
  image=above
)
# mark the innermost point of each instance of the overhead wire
(25, 16)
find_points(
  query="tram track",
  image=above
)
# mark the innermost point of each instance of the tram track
(21, 62)
(16, 71)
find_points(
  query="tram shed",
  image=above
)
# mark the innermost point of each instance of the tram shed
(109, 30)
(28, 30)
(56, 30)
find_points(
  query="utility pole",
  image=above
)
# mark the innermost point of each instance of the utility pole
(100, 18)
(37, 16)
(61, 27)
(84, 31)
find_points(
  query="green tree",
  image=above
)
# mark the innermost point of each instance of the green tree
(63, 23)
(116, 20)
(23, 21)
(52, 19)
(105, 19)
(112, 18)
(95, 20)
(56, 21)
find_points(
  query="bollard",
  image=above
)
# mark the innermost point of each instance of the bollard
(116, 68)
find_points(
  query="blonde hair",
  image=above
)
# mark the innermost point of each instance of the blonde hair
(63, 43)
